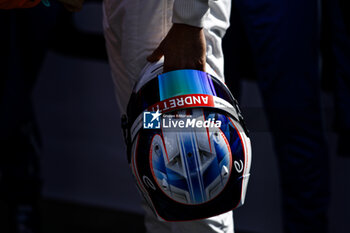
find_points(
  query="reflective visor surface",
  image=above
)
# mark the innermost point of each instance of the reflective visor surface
(184, 82)
(176, 83)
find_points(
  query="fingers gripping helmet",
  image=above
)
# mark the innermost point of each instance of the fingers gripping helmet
(188, 147)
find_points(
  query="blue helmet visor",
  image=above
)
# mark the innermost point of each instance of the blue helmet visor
(176, 83)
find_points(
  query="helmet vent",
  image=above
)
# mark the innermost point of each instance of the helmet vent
(165, 184)
(156, 147)
(224, 171)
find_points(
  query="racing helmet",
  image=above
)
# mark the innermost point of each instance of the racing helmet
(187, 144)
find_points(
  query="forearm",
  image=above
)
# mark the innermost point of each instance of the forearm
(184, 47)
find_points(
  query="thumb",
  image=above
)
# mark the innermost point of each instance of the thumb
(156, 55)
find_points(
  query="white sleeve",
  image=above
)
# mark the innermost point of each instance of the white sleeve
(191, 12)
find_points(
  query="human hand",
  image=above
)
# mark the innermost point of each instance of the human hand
(184, 47)
(72, 5)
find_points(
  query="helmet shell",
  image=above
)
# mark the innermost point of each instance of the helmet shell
(188, 174)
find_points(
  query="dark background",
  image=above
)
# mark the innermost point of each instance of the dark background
(86, 179)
